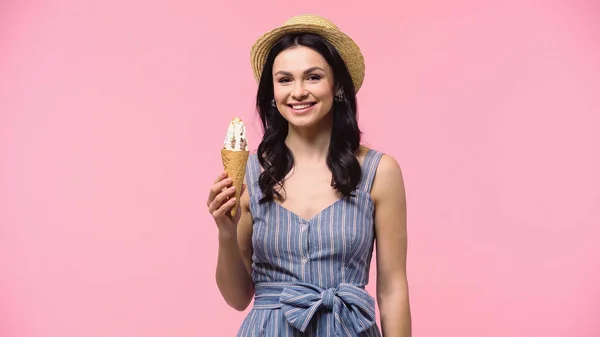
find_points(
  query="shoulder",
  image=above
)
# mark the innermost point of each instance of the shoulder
(388, 179)
(388, 167)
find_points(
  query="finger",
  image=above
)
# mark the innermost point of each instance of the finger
(221, 211)
(220, 198)
(221, 176)
(218, 188)
(224, 195)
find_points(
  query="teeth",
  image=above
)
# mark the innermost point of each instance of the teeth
(301, 106)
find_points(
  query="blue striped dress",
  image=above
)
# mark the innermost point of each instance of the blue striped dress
(310, 274)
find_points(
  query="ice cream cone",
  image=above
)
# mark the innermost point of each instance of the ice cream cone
(234, 163)
(234, 155)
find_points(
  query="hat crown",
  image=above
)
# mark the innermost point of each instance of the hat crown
(313, 24)
(308, 19)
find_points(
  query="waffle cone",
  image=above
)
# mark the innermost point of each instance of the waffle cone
(234, 163)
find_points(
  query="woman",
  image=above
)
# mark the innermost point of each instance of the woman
(314, 201)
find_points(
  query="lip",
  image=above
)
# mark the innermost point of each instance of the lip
(303, 111)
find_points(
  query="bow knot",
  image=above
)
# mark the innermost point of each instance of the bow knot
(327, 297)
(351, 308)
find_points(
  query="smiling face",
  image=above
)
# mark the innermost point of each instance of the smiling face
(303, 85)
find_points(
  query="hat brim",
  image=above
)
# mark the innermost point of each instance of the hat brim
(346, 47)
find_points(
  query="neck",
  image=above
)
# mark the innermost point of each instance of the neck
(310, 144)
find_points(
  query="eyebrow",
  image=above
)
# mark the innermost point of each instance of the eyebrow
(309, 70)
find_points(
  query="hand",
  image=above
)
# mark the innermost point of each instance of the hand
(221, 199)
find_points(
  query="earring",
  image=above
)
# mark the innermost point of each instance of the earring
(273, 103)
(339, 97)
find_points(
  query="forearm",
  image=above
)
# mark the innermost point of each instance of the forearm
(394, 308)
(233, 279)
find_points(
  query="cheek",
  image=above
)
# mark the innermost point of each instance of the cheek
(326, 96)
(279, 94)
(324, 93)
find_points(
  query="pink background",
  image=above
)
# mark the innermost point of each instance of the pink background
(112, 114)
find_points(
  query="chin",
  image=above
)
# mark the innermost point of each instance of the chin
(306, 122)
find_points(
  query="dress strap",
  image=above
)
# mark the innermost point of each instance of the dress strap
(369, 168)
(252, 175)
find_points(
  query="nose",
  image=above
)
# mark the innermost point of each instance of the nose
(299, 93)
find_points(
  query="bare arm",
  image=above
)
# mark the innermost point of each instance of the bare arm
(391, 241)
(233, 272)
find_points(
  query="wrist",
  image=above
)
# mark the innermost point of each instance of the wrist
(227, 235)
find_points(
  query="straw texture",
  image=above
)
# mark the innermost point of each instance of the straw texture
(348, 49)
(234, 163)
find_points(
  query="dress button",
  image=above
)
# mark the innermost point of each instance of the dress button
(304, 227)
(304, 259)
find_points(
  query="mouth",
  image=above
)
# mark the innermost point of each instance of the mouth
(303, 107)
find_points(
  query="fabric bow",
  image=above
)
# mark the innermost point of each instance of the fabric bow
(351, 307)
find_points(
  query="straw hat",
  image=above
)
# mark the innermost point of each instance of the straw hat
(347, 48)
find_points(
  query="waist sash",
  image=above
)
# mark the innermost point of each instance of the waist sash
(349, 308)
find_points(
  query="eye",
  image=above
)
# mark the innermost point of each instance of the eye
(284, 80)
(314, 77)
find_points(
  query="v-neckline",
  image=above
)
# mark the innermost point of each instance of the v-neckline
(308, 220)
